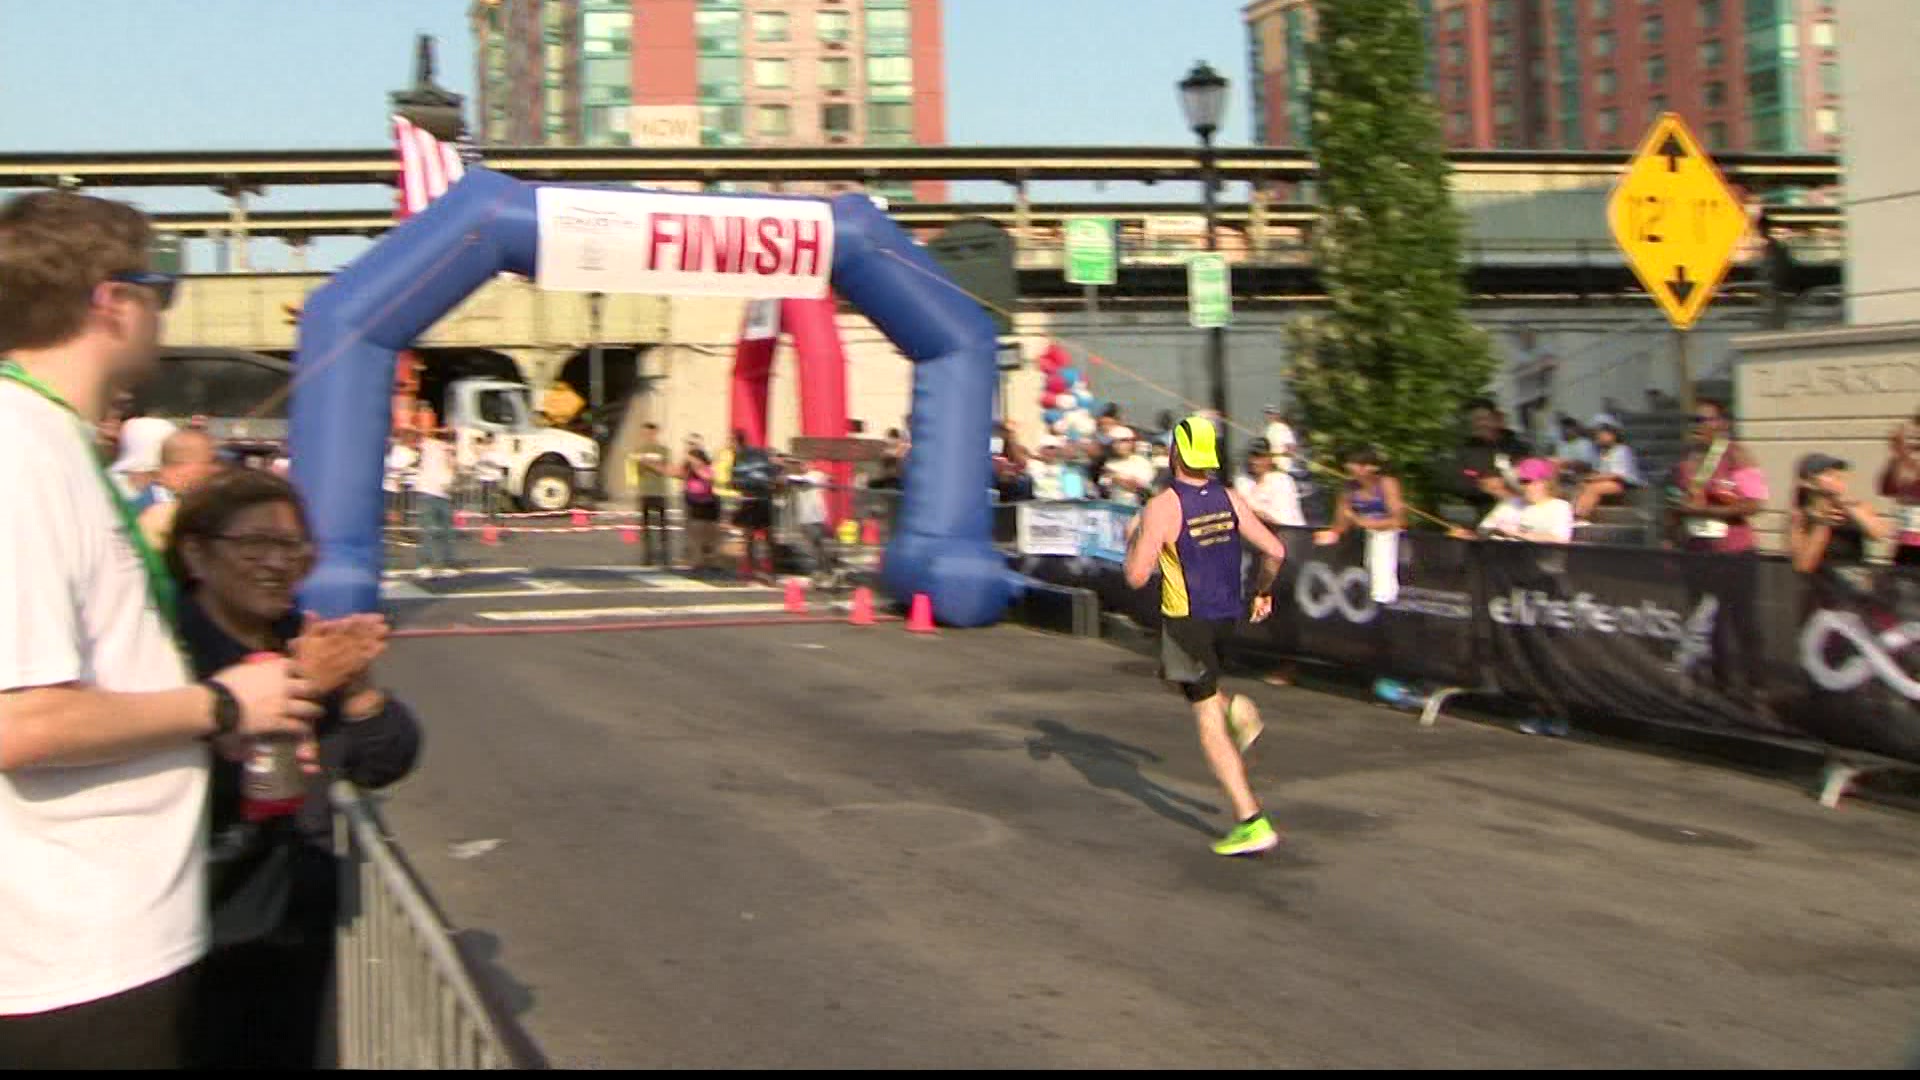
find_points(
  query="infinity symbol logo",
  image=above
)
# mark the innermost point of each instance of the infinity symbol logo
(1872, 656)
(1321, 590)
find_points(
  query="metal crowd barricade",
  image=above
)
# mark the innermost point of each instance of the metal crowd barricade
(405, 998)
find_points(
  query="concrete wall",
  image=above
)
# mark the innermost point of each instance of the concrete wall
(1879, 40)
(1839, 391)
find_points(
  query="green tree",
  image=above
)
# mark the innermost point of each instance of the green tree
(1393, 360)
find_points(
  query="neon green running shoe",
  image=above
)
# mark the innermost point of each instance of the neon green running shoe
(1243, 721)
(1248, 838)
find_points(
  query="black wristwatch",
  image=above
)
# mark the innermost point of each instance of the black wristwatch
(226, 709)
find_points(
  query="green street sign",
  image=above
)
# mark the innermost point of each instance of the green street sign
(1209, 291)
(1090, 258)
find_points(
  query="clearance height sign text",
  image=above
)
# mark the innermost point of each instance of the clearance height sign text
(595, 240)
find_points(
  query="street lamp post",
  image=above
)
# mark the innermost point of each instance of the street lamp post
(1203, 96)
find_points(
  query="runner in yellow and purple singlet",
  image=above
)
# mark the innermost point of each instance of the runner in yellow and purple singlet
(1192, 533)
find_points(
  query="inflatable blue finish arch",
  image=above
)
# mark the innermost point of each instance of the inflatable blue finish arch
(352, 329)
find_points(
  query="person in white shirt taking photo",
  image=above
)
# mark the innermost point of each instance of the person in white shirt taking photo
(103, 752)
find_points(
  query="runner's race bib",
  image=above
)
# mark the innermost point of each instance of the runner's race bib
(1706, 529)
(1910, 519)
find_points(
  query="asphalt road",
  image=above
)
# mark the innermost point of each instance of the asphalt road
(829, 847)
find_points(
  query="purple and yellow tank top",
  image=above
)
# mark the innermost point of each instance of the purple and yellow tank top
(1200, 570)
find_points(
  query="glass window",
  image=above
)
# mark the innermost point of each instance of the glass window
(770, 26)
(1460, 87)
(836, 119)
(890, 116)
(1716, 95)
(1823, 34)
(1502, 43)
(1656, 105)
(1604, 83)
(772, 73)
(717, 31)
(1456, 19)
(607, 31)
(1709, 14)
(719, 76)
(1711, 53)
(1609, 121)
(1653, 29)
(1656, 70)
(1503, 113)
(1830, 78)
(1827, 119)
(772, 120)
(1603, 44)
(720, 125)
(836, 73)
(833, 25)
(606, 126)
(1503, 79)
(1602, 10)
(1717, 134)
(886, 30)
(1502, 10)
(890, 70)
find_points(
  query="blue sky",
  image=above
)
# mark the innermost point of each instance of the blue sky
(219, 74)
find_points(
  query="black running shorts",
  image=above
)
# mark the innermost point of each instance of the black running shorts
(1190, 654)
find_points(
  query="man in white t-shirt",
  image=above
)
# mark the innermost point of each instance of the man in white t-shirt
(103, 763)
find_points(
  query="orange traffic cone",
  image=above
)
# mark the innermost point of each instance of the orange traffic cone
(490, 534)
(579, 519)
(920, 616)
(629, 534)
(870, 533)
(796, 596)
(862, 607)
(459, 519)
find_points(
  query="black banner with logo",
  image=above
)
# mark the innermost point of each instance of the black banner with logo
(1326, 606)
(1740, 644)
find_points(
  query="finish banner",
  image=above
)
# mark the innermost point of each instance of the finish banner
(599, 240)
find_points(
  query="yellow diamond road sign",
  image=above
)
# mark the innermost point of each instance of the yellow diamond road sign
(1676, 220)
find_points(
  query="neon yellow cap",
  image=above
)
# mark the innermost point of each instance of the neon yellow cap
(1197, 442)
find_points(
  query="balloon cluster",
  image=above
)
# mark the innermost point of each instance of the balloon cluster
(1067, 404)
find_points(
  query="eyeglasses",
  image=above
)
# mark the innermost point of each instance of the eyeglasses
(255, 548)
(162, 284)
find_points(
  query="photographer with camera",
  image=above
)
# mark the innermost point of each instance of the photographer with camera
(1829, 526)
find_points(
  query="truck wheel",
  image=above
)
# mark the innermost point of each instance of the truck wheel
(549, 487)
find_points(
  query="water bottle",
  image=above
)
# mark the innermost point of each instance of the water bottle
(272, 784)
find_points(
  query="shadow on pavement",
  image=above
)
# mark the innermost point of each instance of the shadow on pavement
(1115, 766)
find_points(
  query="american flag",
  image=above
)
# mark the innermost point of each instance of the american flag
(428, 167)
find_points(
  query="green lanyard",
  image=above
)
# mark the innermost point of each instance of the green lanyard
(159, 581)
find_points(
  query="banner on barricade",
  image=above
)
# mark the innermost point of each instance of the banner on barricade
(1093, 530)
(1325, 608)
(1048, 528)
(1734, 643)
(1652, 634)
(1859, 648)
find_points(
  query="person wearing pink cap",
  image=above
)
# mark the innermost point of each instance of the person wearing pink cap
(1538, 514)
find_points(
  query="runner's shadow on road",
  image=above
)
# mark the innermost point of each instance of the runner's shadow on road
(1112, 765)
